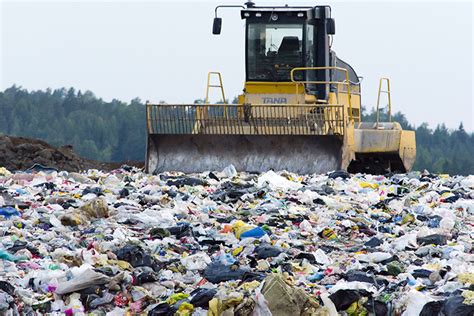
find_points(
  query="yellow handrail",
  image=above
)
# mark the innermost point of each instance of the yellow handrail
(255, 119)
(387, 80)
(347, 82)
(220, 85)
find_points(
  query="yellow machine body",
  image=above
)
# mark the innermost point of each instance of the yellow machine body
(276, 126)
(307, 120)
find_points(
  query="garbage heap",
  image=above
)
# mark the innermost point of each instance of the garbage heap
(228, 243)
(21, 153)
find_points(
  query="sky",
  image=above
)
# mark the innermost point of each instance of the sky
(162, 50)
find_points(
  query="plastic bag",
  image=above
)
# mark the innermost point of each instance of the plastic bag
(261, 307)
(277, 182)
(9, 211)
(415, 302)
(229, 171)
(82, 281)
(374, 257)
(198, 261)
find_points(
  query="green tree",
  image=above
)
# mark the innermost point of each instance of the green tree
(116, 131)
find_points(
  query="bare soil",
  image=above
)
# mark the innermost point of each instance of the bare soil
(21, 153)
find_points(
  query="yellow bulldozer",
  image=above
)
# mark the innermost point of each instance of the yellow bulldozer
(300, 109)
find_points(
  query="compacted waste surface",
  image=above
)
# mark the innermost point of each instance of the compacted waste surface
(228, 243)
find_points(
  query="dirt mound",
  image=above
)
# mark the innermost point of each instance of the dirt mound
(20, 153)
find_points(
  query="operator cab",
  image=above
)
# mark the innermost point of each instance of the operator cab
(279, 39)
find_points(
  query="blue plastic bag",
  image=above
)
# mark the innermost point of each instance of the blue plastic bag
(9, 211)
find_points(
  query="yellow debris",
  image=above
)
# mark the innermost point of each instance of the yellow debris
(185, 309)
(124, 265)
(468, 297)
(237, 250)
(4, 172)
(247, 286)
(369, 185)
(466, 278)
(240, 227)
(176, 297)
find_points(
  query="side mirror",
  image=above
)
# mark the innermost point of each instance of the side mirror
(216, 26)
(331, 26)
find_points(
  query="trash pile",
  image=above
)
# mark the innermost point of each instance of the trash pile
(228, 243)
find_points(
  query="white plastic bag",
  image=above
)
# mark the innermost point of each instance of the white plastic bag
(229, 171)
(277, 182)
(86, 279)
(374, 257)
(329, 304)
(415, 302)
(321, 257)
(261, 307)
(198, 261)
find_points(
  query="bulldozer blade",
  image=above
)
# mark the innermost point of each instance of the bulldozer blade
(301, 154)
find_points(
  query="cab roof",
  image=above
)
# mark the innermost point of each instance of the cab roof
(302, 12)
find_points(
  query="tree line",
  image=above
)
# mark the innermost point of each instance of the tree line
(116, 131)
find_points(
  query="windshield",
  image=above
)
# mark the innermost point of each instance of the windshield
(273, 50)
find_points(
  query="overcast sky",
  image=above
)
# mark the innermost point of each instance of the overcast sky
(162, 50)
